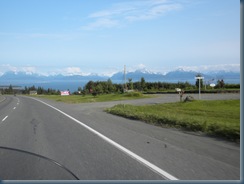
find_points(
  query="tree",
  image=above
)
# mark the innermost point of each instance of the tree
(143, 83)
(32, 88)
(90, 86)
(111, 87)
(99, 88)
(79, 89)
(26, 91)
(40, 90)
(130, 84)
(10, 89)
(220, 83)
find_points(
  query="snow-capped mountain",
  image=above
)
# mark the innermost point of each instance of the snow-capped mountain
(10, 75)
(224, 74)
(136, 75)
(22, 76)
(72, 82)
(181, 74)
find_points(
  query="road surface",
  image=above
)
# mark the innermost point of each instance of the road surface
(94, 145)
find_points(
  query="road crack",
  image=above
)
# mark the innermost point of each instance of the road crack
(35, 125)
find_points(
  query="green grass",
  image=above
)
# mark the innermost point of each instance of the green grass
(220, 117)
(98, 98)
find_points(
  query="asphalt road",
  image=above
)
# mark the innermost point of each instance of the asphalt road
(94, 145)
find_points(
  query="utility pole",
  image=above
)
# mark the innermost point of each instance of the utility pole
(124, 78)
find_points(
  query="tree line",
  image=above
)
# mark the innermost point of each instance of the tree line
(27, 90)
(106, 87)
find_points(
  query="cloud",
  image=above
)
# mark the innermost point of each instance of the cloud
(209, 68)
(120, 14)
(72, 71)
(141, 66)
(153, 12)
(136, 67)
(102, 22)
(27, 69)
(109, 71)
(6, 67)
(42, 36)
(45, 35)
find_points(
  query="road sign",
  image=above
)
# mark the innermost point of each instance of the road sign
(199, 85)
(199, 77)
(212, 85)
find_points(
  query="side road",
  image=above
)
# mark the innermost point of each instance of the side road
(168, 98)
(185, 155)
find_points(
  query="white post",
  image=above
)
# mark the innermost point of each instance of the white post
(199, 89)
(199, 78)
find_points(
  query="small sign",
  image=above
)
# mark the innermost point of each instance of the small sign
(178, 89)
(64, 93)
(199, 77)
(212, 85)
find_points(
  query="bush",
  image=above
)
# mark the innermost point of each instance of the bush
(224, 131)
(219, 118)
(133, 94)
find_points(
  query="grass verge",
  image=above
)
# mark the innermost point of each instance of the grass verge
(220, 118)
(98, 98)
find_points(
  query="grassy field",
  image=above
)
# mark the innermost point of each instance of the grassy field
(98, 98)
(220, 117)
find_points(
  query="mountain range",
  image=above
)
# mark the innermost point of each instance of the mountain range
(52, 81)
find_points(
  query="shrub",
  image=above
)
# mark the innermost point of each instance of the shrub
(133, 94)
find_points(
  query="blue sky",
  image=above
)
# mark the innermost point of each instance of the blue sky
(101, 36)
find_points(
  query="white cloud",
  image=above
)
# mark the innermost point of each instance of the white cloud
(28, 69)
(115, 10)
(130, 11)
(209, 68)
(102, 22)
(141, 66)
(6, 67)
(42, 36)
(72, 71)
(153, 12)
(135, 67)
(47, 36)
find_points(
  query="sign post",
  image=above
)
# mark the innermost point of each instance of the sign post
(199, 84)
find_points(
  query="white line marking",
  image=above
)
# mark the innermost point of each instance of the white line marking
(14, 108)
(151, 166)
(4, 98)
(4, 118)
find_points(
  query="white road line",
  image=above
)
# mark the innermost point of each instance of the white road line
(14, 108)
(4, 98)
(151, 166)
(4, 118)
